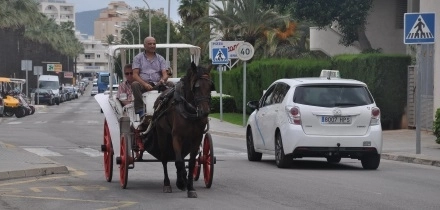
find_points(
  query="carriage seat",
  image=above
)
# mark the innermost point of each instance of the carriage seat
(149, 98)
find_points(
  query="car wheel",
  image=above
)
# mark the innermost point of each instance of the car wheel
(282, 160)
(20, 112)
(8, 113)
(370, 161)
(333, 159)
(252, 155)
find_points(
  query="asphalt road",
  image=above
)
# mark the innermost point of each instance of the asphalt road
(71, 134)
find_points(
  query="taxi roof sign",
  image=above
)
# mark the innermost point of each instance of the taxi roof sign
(330, 74)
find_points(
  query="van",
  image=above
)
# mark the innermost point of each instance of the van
(103, 80)
(51, 82)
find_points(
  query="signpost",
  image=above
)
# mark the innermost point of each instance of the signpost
(38, 70)
(26, 65)
(220, 56)
(419, 28)
(245, 52)
(231, 47)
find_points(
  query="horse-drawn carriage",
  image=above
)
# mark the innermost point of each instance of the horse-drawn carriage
(174, 125)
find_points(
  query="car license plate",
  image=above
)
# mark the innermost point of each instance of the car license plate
(335, 120)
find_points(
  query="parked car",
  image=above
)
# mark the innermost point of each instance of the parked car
(115, 89)
(325, 117)
(72, 92)
(2, 105)
(44, 96)
(94, 89)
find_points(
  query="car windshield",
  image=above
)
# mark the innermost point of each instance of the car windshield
(332, 95)
(49, 85)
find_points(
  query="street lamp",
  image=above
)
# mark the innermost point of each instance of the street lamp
(118, 26)
(149, 18)
(139, 27)
(129, 54)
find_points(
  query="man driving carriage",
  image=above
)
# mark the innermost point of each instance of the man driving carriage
(149, 72)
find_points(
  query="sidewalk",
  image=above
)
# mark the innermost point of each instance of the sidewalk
(398, 145)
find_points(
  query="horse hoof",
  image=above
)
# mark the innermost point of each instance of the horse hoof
(192, 194)
(167, 189)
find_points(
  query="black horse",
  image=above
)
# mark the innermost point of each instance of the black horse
(180, 122)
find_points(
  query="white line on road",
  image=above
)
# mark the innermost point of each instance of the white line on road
(14, 123)
(42, 152)
(88, 151)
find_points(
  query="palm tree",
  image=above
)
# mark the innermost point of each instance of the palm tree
(192, 10)
(245, 19)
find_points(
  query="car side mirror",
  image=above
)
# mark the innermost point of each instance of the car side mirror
(253, 105)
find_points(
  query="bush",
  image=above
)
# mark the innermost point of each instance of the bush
(436, 126)
(228, 104)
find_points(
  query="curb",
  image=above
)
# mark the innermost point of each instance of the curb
(409, 159)
(33, 172)
(385, 156)
(226, 134)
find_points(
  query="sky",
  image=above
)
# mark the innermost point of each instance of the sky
(87, 5)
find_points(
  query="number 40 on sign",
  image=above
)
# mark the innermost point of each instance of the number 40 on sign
(245, 51)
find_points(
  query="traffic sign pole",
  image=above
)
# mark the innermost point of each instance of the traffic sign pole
(419, 28)
(245, 53)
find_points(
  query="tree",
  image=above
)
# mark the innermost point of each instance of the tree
(246, 19)
(350, 16)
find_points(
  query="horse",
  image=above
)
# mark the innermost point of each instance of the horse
(181, 124)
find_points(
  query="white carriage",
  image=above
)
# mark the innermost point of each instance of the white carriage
(122, 127)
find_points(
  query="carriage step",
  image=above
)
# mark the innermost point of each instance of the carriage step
(118, 160)
(103, 148)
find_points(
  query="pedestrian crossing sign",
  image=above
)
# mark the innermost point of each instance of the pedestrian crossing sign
(220, 56)
(419, 28)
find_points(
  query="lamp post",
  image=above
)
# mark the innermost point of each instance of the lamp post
(149, 18)
(168, 34)
(139, 28)
(118, 26)
(122, 38)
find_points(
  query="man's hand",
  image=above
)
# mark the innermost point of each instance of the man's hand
(148, 86)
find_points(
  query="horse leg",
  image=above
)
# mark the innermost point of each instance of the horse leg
(180, 164)
(192, 162)
(181, 173)
(166, 180)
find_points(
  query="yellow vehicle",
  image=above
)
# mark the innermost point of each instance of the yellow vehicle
(11, 101)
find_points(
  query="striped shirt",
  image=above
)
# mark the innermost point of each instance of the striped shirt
(125, 87)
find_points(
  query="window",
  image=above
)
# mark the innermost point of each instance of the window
(280, 92)
(401, 9)
(87, 56)
(332, 95)
(98, 56)
(267, 97)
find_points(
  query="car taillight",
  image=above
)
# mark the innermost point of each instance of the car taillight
(375, 116)
(294, 115)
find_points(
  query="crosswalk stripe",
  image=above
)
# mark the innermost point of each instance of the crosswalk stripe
(42, 152)
(89, 151)
(14, 123)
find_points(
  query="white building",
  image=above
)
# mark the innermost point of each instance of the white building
(59, 10)
(384, 30)
(95, 57)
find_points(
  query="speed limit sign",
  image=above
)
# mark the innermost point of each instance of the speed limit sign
(245, 51)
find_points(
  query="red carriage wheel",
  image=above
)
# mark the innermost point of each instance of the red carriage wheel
(123, 167)
(197, 167)
(107, 149)
(208, 160)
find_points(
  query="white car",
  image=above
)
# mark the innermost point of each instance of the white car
(115, 89)
(325, 117)
(94, 90)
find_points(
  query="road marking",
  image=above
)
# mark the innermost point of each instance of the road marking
(227, 152)
(92, 122)
(40, 122)
(120, 204)
(14, 123)
(69, 121)
(89, 151)
(42, 152)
